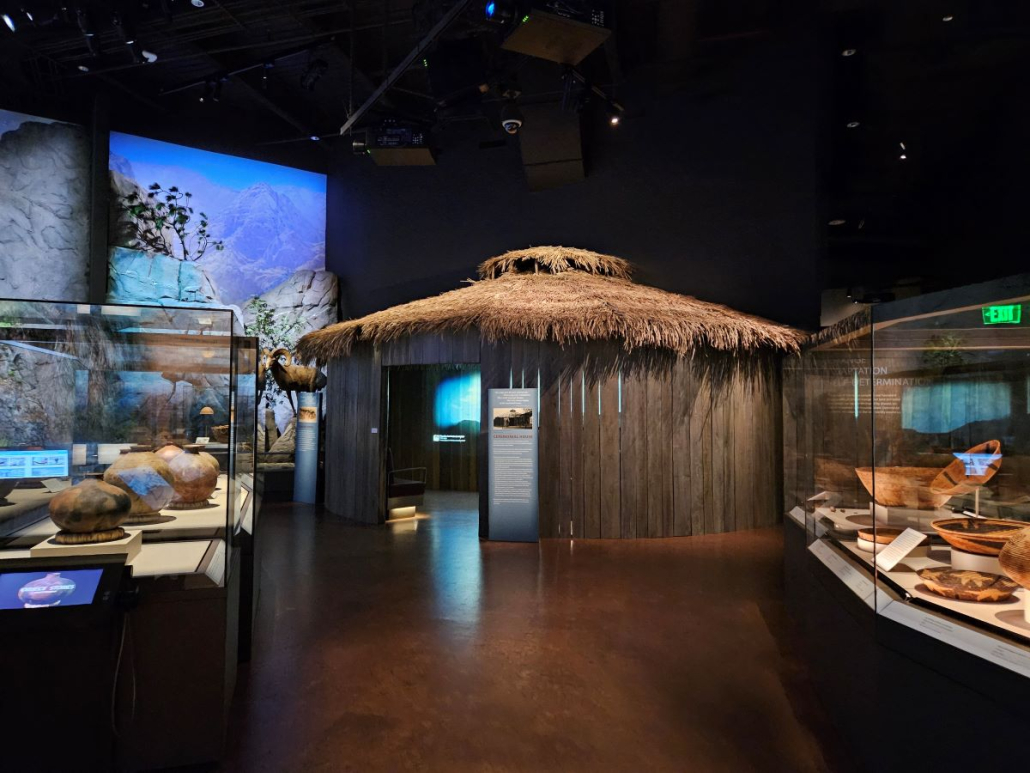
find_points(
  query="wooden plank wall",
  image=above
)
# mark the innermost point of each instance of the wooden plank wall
(647, 455)
(353, 454)
(630, 456)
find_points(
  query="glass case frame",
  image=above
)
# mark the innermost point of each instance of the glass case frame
(912, 418)
(88, 380)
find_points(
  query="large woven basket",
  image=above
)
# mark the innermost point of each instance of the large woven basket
(983, 536)
(955, 478)
(1015, 557)
(903, 487)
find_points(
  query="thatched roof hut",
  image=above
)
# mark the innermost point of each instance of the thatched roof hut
(658, 414)
(564, 295)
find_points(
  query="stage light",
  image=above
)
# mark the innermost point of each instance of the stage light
(28, 15)
(849, 52)
(511, 117)
(902, 156)
(9, 21)
(314, 138)
(614, 115)
(197, 3)
(948, 18)
(83, 68)
(853, 124)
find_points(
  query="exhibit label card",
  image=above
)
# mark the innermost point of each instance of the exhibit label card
(513, 427)
(902, 545)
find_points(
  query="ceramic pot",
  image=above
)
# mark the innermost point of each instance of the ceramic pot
(6, 487)
(168, 452)
(145, 477)
(46, 591)
(196, 477)
(90, 511)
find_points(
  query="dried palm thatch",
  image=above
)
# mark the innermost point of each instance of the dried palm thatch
(567, 296)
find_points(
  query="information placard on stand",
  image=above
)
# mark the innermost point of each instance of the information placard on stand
(514, 466)
(305, 475)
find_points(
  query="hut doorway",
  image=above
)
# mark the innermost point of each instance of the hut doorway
(432, 416)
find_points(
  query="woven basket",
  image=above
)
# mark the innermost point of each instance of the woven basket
(903, 486)
(1015, 558)
(983, 536)
(954, 479)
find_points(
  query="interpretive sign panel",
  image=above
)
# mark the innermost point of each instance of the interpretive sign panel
(305, 474)
(514, 466)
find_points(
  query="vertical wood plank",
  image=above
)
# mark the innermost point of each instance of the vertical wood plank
(720, 517)
(700, 454)
(682, 402)
(592, 463)
(634, 463)
(610, 458)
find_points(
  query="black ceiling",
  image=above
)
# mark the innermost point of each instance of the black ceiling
(942, 82)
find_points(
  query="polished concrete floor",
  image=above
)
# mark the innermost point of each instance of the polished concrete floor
(414, 647)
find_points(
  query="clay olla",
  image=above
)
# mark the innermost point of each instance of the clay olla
(145, 477)
(196, 477)
(90, 511)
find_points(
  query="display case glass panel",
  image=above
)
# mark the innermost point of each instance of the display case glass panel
(82, 384)
(911, 465)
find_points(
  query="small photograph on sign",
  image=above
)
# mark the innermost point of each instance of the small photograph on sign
(307, 414)
(513, 418)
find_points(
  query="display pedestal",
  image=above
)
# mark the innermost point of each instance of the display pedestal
(130, 545)
(972, 562)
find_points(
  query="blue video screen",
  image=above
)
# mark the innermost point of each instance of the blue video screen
(42, 590)
(34, 464)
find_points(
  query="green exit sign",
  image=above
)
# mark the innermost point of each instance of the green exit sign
(1011, 314)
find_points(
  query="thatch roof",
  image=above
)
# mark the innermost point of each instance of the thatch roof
(568, 296)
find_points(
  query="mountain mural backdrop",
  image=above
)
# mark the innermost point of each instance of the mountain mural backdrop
(264, 222)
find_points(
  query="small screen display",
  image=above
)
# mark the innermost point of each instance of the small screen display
(39, 590)
(33, 464)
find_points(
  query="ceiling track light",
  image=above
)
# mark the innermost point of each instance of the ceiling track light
(614, 114)
(849, 52)
(838, 222)
(949, 17)
(9, 21)
(853, 124)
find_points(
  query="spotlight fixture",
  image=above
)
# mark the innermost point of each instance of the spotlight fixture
(359, 143)
(902, 156)
(9, 21)
(614, 115)
(949, 17)
(849, 52)
(28, 15)
(83, 68)
(853, 124)
(197, 3)
(314, 138)
(150, 56)
(838, 222)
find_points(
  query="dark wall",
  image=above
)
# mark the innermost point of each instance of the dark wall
(711, 191)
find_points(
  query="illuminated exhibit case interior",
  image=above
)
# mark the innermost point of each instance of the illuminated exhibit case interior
(82, 384)
(907, 465)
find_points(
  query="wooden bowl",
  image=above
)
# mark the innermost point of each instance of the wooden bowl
(1015, 557)
(967, 585)
(903, 486)
(955, 478)
(983, 536)
(874, 540)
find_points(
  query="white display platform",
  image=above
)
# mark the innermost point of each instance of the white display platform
(130, 545)
(164, 558)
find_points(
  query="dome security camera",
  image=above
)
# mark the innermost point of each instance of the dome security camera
(511, 118)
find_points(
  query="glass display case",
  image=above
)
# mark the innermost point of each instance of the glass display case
(908, 463)
(115, 394)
